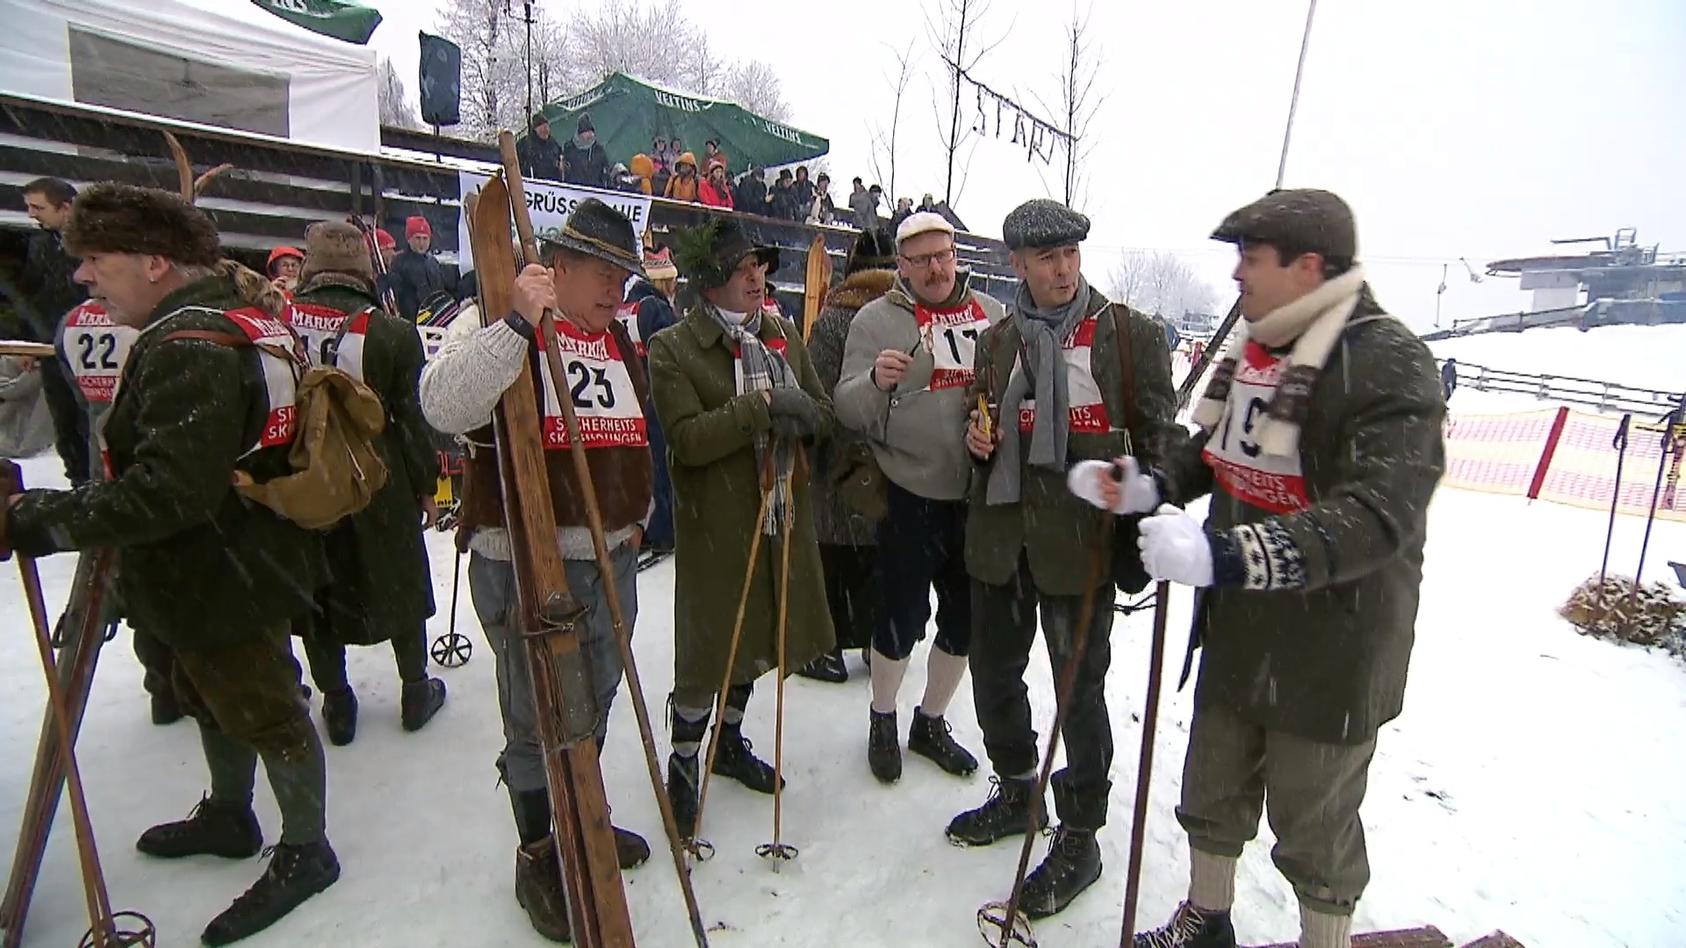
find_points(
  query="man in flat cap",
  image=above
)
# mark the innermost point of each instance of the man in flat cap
(1320, 445)
(217, 578)
(1067, 376)
(586, 262)
(380, 589)
(908, 372)
(742, 407)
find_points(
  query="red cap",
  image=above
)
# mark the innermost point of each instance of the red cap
(385, 240)
(280, 253)
(416, 225)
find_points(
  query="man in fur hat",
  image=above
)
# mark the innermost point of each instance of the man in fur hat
(1068, 375)
(380, 588)
(742, 408)
(1320, 445)
(907, 378)
(586, 263)
(220, 579)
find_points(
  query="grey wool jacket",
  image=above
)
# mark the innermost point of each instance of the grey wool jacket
(917, 435)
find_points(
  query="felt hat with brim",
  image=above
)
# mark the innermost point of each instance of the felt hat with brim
(708, 255)
(597, 230)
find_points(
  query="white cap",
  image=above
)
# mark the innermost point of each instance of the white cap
(923, 222)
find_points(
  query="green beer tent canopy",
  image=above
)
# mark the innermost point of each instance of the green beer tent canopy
(628, 113)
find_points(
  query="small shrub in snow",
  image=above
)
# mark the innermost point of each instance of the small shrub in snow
(1646, 614)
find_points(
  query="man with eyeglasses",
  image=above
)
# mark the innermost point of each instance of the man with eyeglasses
(907, 368)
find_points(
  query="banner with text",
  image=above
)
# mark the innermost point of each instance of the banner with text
(549, 205)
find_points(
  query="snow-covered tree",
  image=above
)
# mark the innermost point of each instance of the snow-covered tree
(393, 109)
(1160, 284)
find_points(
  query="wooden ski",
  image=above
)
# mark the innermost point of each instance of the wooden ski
(816, 281)
(548, 617)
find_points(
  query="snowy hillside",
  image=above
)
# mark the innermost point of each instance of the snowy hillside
(1527, 786)
(1641, 356)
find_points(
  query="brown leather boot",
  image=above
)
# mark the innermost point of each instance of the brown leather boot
(538, 887)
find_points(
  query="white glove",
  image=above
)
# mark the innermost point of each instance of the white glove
(1174, 548)
(1137, 492)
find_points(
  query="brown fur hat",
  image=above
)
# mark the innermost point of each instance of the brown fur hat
(121, 218)
(335, 247)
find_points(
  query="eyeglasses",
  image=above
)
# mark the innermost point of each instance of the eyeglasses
(924, 260)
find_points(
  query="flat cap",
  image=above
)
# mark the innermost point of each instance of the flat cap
(1043, 223)
(1305, 220)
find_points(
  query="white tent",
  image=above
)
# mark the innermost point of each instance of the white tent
(175, 59)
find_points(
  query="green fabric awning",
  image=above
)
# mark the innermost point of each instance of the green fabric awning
(628, 113)
(342, 21)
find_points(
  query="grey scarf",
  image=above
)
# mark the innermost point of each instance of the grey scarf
(759, 369)
(1042, 335)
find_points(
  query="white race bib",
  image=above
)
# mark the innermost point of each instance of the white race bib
(627, 316)
(96, 349)
(279, 375)
(1241, 468)
(951, 336)
(601, 386)
(319, 326)
(1088, 411)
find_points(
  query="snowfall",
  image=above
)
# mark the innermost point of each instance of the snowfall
(1530, 785)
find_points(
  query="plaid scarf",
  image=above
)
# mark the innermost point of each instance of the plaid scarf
(761, 369)
(1311, 325)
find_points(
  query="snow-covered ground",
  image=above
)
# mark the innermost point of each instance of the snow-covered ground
(1530, 785)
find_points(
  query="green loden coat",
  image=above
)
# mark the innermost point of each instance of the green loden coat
(711, 454)
(379, 580)
(202, 567)
(1056, 528)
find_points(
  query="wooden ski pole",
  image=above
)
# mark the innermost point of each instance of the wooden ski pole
(1009, 923)
(599, 542)
(777, 850)
(698, 842)
(102, 930)
(1144, 767)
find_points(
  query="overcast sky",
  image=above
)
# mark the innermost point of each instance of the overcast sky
(1455, 128)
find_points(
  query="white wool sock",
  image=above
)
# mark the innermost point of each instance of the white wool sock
(1211, 881)
(887, 674)
(1322, 930)
(943, 674)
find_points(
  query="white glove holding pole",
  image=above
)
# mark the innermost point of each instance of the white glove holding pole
(1175, 548)
(1118, 486)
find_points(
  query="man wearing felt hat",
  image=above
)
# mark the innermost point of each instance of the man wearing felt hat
(742, 408)
(1320, 445)
(586, 261)
(1067, 376)
(908, 370)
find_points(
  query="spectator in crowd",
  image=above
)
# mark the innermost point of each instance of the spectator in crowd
(683, 185)
(904, 210)
(804, 190)
(928, 203)
(644, 170)
(622, 179)
(783, 198)
(47, 292)
(540, 154)
(712, 154)
(649, 310)
(662, 156)
(284, 266)
(388, 246)
(415, 274)
(864, 203)
(715, 191)
(583, 159)
(824, 209)
(752, 192)
(1448, 378)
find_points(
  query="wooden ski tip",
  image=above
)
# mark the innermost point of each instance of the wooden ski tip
(1425, 937)
(26, 350)
(992, 925)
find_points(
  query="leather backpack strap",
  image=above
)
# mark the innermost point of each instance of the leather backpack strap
(228, 339)
(1126, 372)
